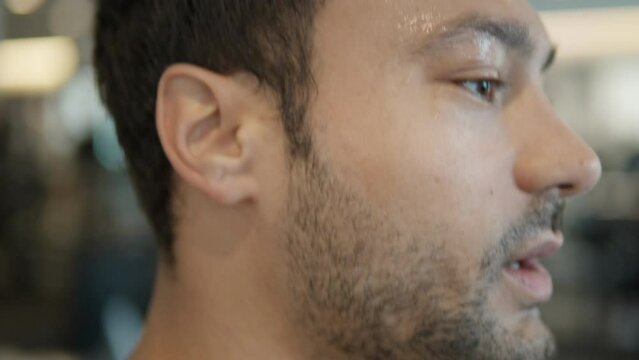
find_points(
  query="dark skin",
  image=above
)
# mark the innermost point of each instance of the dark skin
(437, 160)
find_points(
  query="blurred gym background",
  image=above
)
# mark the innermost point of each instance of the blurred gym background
(77, 257)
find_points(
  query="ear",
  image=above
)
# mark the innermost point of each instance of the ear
(201, 119)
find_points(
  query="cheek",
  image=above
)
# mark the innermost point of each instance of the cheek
(440, 171)
(460, 177)
(439, 176)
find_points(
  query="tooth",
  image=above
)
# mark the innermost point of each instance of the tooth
(515, 265)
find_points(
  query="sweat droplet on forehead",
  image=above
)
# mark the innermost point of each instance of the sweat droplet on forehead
(413, 20)
(415, 23)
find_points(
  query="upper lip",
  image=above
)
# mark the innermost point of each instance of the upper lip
(545, 247)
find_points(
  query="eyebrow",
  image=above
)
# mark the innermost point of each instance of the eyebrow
(510, 33)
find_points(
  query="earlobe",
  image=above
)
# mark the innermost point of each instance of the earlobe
(199, 117)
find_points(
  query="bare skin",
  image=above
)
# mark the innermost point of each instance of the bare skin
(437, 161)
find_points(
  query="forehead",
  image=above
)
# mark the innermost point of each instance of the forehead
(401, 22)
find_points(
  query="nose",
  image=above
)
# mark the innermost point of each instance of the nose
(551, 156)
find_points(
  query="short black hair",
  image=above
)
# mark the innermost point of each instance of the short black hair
(136, 40)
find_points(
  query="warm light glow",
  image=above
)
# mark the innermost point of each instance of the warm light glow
(23, 7)
(36, 66)
(592, 33)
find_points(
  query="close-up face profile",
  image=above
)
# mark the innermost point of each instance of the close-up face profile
(437, 181)
(344, 179)
(319, 179)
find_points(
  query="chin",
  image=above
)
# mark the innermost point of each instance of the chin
(528, 337)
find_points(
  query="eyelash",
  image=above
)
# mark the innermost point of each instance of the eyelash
(485, 89)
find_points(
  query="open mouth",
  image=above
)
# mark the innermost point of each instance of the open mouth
(528, 276)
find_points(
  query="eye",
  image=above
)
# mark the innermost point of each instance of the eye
(485, 89)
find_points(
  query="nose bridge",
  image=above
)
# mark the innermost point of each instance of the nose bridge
(550, 155)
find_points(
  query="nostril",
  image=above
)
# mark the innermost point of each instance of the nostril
(566, 187)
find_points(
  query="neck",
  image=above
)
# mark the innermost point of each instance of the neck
(218, 308)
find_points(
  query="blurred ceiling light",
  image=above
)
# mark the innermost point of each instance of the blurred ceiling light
(613, 97)
(23, 7)
(36, 66)
(592, 33)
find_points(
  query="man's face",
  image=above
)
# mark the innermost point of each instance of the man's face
(437, 180)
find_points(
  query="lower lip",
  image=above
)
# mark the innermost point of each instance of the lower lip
(532, 279)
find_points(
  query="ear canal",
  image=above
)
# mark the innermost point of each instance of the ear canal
(210, 122)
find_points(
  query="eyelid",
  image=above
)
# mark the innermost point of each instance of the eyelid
(476, 75)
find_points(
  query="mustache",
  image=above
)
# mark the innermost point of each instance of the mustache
(546, 213)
